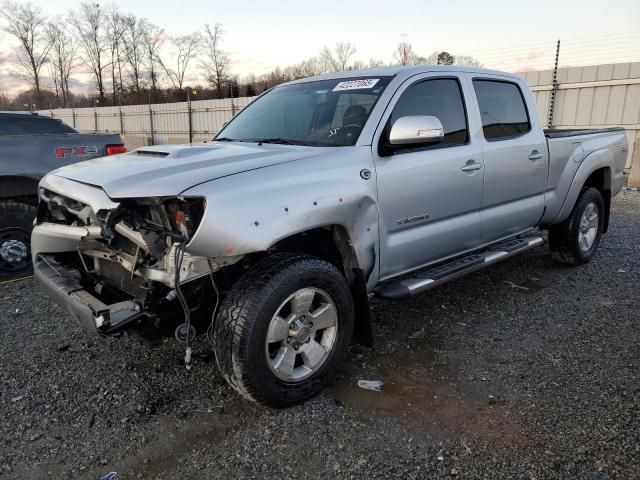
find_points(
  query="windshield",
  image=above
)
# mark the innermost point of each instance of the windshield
(323, 113)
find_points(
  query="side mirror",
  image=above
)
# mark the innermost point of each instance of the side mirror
(416, 129)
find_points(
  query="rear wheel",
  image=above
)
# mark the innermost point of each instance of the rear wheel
(576, 240)
(16, 223)
(283, 329)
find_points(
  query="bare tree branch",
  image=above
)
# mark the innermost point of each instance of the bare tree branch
(215, 62)
(134, 51)
(115, 32)
(89, 24)
(152, 38)
(184, 51)
(404, 54)
(27, 24)
(338, 59)
(62, 60)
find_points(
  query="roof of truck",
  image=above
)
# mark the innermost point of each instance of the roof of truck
(21, 113)
(404, 70)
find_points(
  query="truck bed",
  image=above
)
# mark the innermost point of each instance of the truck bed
(572, 132)
(567, 149)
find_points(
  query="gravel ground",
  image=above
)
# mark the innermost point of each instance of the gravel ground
(524, 370)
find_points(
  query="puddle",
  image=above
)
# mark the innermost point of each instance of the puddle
(428, 396)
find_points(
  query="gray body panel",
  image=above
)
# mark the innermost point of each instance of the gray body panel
(30, 157)
(412, 209)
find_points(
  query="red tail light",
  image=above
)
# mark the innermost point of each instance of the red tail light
(115, 149)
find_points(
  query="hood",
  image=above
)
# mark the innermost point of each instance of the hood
(166, 170)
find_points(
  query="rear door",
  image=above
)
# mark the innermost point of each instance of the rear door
(515, 157)
(429, 196)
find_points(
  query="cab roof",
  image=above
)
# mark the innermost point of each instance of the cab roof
(404, 71)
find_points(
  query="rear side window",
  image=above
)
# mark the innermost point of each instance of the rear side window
(28, 125)
(502, 109)
(440, 98)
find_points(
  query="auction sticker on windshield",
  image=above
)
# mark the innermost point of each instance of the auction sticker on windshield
(356, 84)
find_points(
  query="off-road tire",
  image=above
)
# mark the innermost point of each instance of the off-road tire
(242, 322)
(563, 238)
(16, 219)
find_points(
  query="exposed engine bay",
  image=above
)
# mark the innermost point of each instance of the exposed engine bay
(133, 256)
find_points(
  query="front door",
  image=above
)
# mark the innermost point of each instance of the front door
(429, 196)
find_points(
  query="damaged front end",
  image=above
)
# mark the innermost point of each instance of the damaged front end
(115, 264)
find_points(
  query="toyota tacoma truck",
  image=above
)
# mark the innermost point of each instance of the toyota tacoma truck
(31, 146)
(321, 193)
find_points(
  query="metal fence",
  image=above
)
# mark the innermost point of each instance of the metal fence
(592, 96)
(140, 125)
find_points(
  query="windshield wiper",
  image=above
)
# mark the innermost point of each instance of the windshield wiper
(280, 141)
(224, 139)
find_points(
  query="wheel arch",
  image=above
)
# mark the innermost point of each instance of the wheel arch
(601, 179)
(595, 171)
(333, 244)
(17, 186)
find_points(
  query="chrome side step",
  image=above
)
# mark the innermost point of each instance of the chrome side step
(457, 268)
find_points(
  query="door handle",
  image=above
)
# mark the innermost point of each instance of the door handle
(471, 166)
(535, 155)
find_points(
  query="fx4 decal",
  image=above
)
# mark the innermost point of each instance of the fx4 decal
(83, 151)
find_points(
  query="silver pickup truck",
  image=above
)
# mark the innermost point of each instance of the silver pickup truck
(322, 192)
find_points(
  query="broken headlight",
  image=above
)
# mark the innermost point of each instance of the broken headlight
(185, 214)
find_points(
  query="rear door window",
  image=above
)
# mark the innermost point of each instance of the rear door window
(28, 125)
(502, 109)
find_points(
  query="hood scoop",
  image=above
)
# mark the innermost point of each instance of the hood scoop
(151, 153)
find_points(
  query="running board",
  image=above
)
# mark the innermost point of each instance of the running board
(457, 268)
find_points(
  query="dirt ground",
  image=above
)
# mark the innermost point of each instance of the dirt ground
(525, 370)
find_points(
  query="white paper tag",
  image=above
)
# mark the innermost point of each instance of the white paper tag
(356, 84)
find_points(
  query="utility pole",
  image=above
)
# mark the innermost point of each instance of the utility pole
(552, 100)
(151, 120)
(189, 116)
(95, 115)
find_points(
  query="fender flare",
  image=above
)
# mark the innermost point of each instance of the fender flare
(596, 160)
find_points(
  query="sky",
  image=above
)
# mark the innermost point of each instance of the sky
(515, 35)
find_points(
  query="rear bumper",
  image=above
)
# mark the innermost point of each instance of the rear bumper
(63, 285)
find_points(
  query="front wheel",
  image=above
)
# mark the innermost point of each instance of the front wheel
(576, 240)
(283, 329)
(16, 223)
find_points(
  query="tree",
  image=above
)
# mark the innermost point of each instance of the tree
(185, 50)
(215, 61)
(462, 60)
(61, 61)
(115, 32)
(28, 25)
(467, 61)
(134, 51)
(89, 25)
(404, 54)
(152, 38)
(338, 59)
(445, 58)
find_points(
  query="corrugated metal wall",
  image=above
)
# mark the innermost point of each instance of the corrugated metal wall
(593, 96)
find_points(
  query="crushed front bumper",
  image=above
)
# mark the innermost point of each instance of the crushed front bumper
(63, 285)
